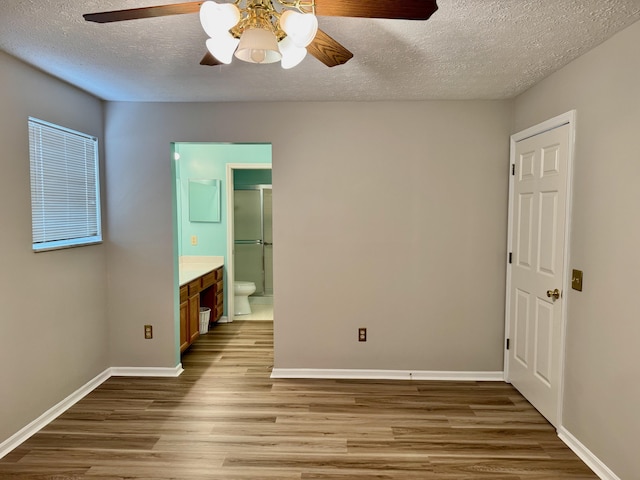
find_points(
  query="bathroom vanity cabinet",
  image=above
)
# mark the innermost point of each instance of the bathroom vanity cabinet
(212, 294)
(207, 291)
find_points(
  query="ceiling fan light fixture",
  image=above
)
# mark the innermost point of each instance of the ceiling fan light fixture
(217, 18)
(258, 45)
(280, 18)
(301, 27)
(292, 55)
(222, 47)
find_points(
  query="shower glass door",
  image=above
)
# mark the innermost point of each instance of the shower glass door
(253, 240)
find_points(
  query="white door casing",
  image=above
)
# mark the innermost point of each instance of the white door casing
(538, 242)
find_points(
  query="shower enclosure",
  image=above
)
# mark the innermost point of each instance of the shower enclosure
(253, 237)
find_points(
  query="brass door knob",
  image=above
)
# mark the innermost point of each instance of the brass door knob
(555, 294)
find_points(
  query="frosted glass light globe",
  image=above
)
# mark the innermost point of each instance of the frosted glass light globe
(292, 55)
(301, 27)
(217, 18)
(222, 47)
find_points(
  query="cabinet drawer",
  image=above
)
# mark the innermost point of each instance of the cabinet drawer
(209, 279)
(219, 299)
(184, 293)
(194, 287)
(218, 272)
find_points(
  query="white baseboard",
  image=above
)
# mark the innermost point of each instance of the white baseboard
(224, 319)
(54, 412)
(146, 371)
(365, 374)
(593, 462)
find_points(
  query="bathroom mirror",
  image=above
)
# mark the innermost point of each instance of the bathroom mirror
(204, 200)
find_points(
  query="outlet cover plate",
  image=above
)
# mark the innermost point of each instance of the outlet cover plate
(362, 334)
(576, 280)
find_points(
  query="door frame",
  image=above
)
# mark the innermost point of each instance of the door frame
(555, 122)
(230, 226)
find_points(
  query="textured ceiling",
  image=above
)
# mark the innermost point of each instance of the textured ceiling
(469, 49)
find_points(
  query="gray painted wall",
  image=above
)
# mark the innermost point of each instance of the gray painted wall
(390, 216)
(53, 320)
(602, 379)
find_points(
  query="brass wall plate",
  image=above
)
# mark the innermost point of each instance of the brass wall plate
(576, 280)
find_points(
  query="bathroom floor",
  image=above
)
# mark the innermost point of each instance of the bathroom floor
(261, 309)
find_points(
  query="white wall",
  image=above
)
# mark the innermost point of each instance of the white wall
(390, 216)
(53, 324)
(602, 390)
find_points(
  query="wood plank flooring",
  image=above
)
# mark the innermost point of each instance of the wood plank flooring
(224, 418)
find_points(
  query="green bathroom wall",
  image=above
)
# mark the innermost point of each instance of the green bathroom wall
(209, 161)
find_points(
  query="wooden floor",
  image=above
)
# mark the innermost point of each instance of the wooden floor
(224, 418)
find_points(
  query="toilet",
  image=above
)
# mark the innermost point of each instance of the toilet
(241, 292)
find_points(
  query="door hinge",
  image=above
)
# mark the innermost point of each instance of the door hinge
(513, 169)
(507, 344)
(510, 257)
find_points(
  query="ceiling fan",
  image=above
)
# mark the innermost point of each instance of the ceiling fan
(266, 31)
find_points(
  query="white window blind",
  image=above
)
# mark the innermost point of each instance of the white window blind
(65, 193)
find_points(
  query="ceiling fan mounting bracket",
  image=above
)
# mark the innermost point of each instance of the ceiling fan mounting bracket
(263, 14)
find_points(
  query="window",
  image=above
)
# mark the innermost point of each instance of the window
(65, 187)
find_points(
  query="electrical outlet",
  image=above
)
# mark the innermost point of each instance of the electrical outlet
(148, 332)
(362, 334)
(194, 240)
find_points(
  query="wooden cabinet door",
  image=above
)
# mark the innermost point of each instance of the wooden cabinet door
(219, 301)
(184, 326)
(194, 317)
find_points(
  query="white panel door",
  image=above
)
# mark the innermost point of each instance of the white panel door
(537, 270)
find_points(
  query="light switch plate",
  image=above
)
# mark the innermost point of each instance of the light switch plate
(576, 280)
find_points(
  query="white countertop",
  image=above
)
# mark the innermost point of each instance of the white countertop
(192, 267)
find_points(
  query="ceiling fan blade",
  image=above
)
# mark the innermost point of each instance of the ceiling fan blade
(144, 12)
(395, 9)
(209, 60)
(328, 51)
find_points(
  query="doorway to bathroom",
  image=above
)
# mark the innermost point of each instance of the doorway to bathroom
(250, 211)
(206, 241)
